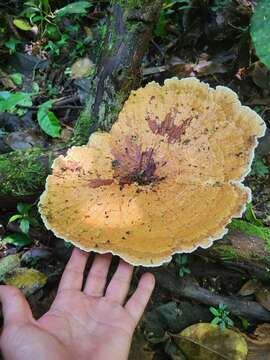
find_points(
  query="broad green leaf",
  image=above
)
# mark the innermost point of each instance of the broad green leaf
(48, 122)
(22, 24)
(4, 95)
(24, 226)
(17, 99)
(260, 25)
(15, 217)
(23, 208)
(78, 7)
(12, 43)
(16, 78)
(17, 239)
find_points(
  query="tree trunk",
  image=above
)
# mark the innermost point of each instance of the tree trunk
(128, 31)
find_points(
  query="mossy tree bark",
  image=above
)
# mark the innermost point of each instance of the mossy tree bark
(243, 252)
(128, 31)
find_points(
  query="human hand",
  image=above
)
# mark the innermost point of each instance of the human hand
(81, 324)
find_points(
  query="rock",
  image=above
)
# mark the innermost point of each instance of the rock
(82, 68)
(25, 139)
(36, 253)
(25, 64)
(174, 317)
(10, 122)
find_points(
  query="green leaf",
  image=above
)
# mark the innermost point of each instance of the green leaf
(35, 88)
(78, 7)
(46, 4)
(229, 321)
(245, 323)
(222, 306)
(214, 311)
(24, 226)
(17, 239)
(48, 122)
(216, 321)
(22, 24)
(16, 78)
(259, 168)
(260, 25)
(181, 273)
(23, 208)
(15, 217)
(4, 95)
(222, 326)
(17, 99)
(251, 217)
(12, 43)
(160, 29)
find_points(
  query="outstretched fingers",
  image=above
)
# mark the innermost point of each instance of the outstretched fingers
(72, 277)
(117, 289)
(96, 280)
(16, 309)
(138, 301)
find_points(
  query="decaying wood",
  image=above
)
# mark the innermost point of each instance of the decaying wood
(129, 28)
(185, 288)
(242, 252)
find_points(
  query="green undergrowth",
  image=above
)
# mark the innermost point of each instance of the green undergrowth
(252, 226)
(262, 232)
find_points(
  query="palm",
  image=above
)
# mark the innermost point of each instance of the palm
(85, 324)
(97, 318)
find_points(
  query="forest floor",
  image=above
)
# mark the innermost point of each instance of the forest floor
(46, 58)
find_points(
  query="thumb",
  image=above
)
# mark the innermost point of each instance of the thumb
(15, 307)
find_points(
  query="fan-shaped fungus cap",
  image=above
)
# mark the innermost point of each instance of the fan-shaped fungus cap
(166, 179)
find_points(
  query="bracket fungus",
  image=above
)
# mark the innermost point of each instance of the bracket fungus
(166, 179)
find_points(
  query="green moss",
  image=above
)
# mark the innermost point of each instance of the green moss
(82, 127)
(23, 172)
(226, 252)
(252, 230)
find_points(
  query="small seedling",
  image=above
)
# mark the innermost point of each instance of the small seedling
(181, 261)
(23, 217)
(221, 316)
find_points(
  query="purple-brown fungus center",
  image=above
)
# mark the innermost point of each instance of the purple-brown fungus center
(167, 127)
(132, 164)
